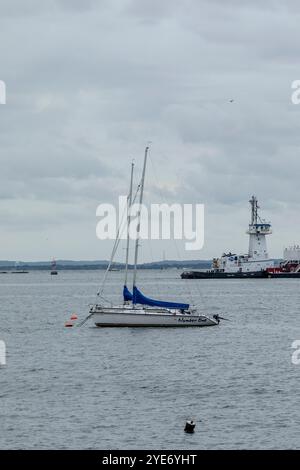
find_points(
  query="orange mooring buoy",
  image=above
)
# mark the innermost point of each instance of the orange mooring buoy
(74, 316)
(69, 324)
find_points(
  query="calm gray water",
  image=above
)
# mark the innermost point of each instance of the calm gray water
(91, 388)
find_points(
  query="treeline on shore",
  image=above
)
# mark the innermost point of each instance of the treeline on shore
(102, 264)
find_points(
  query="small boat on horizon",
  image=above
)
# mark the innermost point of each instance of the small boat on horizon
(114, 269)
(18, 269)
(53, 271)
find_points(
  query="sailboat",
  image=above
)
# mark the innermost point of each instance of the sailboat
(137, 309)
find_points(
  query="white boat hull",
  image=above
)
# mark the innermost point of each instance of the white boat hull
(110, 317)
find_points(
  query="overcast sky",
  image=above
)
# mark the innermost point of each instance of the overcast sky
(90, 82)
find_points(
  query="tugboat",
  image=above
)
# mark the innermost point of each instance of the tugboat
(252, 265)
(289, 267)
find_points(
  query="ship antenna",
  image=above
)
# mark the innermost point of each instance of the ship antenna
(254, 208)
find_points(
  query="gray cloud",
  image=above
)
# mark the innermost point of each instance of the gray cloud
(89, 83)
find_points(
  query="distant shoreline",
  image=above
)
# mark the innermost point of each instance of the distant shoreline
(10, 266)
(66, 265)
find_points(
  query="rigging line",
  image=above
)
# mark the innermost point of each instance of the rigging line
(188, 285)
(157, 285)
(139, 219)
(129, 202)
(115, 246)
(158, 282)
(173, 239)
(133, 200)
(156, 277)
(165, 201)
(151, 250)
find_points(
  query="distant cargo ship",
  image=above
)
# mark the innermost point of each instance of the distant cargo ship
(254, 264)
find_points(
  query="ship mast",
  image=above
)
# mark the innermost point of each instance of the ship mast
(129, 202)
(139, 219)
(254, 207)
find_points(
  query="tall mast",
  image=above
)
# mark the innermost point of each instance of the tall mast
(139, 218)
(129, 202)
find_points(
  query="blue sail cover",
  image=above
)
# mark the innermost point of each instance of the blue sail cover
(127, 294)
(139, 298)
